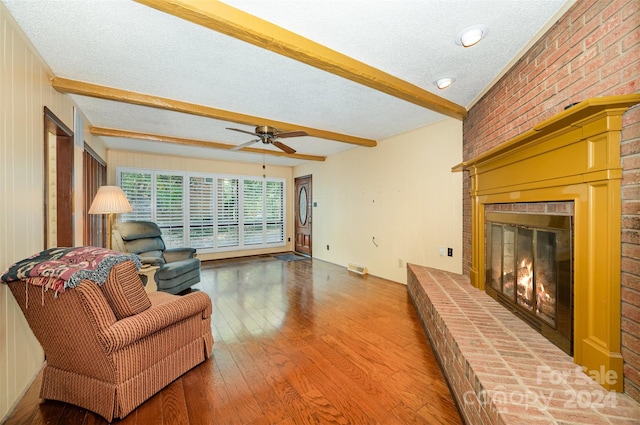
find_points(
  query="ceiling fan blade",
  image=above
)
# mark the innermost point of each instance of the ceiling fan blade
(242, 131)
(244, 145)
(284, 147)
(291, 134)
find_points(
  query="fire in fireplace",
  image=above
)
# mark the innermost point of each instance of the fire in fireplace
(529, 270)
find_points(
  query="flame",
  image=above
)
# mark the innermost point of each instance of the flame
(525, 280)
(540, 289)
(529, 266)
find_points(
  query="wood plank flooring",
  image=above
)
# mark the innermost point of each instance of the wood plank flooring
(299, 342)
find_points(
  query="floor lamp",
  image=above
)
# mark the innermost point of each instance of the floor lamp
(110, 200)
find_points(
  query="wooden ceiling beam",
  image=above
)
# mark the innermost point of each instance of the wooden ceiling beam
(233, 22)
(112, 132)
(64, 85)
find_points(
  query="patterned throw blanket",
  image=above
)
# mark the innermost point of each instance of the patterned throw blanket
(62, 268)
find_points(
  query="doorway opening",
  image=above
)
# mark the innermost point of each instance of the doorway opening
(58, 182)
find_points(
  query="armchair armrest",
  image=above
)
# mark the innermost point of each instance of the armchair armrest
(133, 328)
(178, 254)
(153, 261)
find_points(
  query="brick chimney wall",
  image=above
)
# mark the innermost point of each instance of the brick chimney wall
(593, 50)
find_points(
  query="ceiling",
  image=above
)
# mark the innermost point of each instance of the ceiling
(149, 75)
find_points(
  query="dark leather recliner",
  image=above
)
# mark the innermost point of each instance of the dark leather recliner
(179, 268)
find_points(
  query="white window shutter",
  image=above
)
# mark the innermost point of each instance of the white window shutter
(170, 209)
(253, 212)
(201, 212)
(137, 186)
(228, 217)
(274, 200)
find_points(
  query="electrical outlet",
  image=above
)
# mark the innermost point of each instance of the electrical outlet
(327, 247)
(400, 262)
(450, 252)
(442, 251)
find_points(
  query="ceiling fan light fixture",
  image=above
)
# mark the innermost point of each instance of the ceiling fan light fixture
(269, 136)
(472, 35)
(445, 82)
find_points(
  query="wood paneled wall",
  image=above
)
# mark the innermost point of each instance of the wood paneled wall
(24, 91)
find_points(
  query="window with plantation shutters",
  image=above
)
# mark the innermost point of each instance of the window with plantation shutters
(228, 213)
(138, 188)
(206, 211)
(170, 209)
(274, 202)
(158, 197)
(253, 212)
(201, 212)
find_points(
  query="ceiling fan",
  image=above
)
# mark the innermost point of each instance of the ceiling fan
(269, 135)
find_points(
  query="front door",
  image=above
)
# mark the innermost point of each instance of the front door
(303, 215)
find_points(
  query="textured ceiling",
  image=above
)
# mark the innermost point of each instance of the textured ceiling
(130, 46)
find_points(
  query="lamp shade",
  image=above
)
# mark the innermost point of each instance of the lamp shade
(110, 199)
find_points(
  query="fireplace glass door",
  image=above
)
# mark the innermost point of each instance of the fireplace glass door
(529, 270)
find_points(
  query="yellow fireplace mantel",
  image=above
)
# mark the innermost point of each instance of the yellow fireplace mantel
(573, 156)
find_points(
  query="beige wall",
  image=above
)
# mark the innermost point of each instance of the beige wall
(402, 193)
(160, 162)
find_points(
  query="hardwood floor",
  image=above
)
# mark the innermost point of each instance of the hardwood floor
(299, 342)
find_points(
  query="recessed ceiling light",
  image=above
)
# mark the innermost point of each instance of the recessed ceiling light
(445, 82)
(472, 35)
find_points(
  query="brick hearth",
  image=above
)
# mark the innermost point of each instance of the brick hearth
(500, 370)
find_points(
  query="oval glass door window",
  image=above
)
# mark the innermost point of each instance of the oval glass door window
(302, 205)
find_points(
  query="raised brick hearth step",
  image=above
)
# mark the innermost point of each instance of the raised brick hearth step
(500, 370)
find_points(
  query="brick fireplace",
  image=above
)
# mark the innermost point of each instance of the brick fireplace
(499, 371)
(571, 157)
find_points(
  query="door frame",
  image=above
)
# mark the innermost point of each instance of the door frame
(309, 213)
